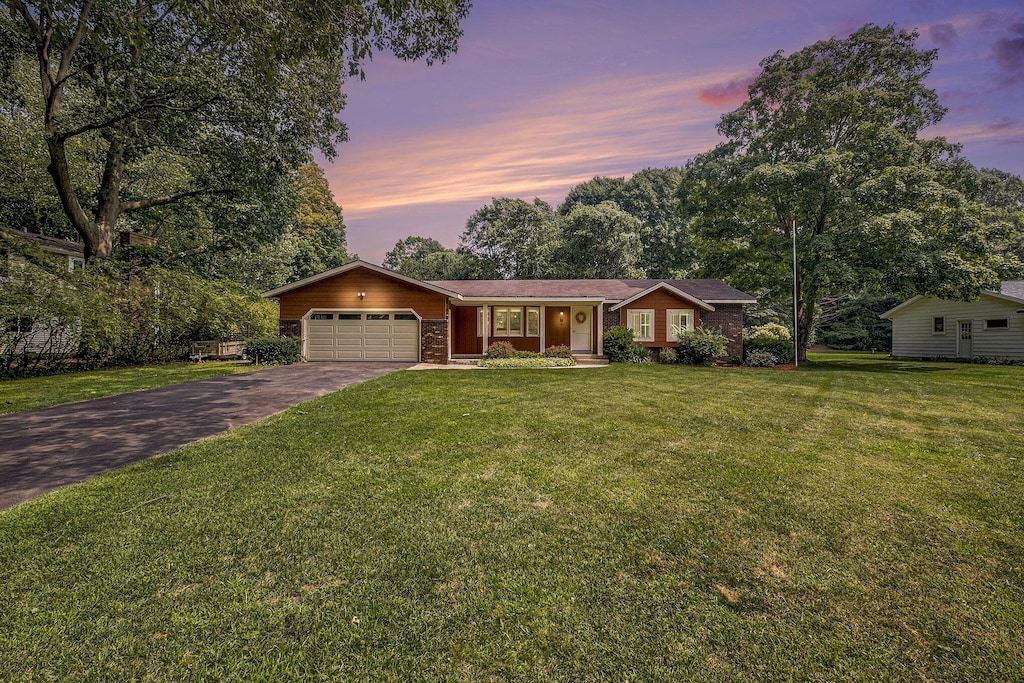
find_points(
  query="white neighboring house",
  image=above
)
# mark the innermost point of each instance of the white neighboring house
(27, 334)
(991, 326)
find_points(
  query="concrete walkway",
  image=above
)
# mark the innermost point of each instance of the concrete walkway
(46, 449)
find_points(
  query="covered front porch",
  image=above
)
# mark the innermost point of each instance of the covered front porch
(526, 325)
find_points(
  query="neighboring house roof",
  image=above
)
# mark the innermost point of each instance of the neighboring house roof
(709, 291)
(51, 244)
(1014, 288)
(351, 265)
(1009, 290)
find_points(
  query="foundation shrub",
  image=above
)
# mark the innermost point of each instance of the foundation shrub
(701, 346)
(500, 349)
(560, 351)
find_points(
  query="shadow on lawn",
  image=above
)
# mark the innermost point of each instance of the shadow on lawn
(882, 364)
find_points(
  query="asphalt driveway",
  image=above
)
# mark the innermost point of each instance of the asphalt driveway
(46, 449)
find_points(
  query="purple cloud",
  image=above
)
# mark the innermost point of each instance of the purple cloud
(730, 93)
(943, 35)
(1009, 54)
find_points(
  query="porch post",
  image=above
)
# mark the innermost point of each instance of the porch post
(487, 326)
(600, 329)
(543, 327)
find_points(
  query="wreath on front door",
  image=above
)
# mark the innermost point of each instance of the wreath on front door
(581, 317)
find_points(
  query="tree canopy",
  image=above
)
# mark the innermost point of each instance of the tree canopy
(147, 104)
(830, 140)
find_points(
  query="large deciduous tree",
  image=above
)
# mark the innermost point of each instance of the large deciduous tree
(513, 239)
(318, 230)
(652, 196)
(178, 100)
(601, 241)
(830, 140)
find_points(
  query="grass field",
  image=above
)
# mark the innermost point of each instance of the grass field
(41, 392)
(860, 519)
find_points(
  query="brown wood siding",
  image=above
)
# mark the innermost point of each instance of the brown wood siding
(464, 337)
(661, 301)
(556, 331)
(519, 343)
(341, 291)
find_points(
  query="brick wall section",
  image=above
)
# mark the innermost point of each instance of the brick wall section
(610, 319)
(434, 341)
(289, 327)
(728, 318)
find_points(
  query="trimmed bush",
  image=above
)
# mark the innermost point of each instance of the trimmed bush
(771, 338)
(273, 350)
(560, 351)
(668, 355)
(500, 349)
(620, 347)
(534, 362)
(702, 345)
(770, 331)
(762, 359)
(526, 354)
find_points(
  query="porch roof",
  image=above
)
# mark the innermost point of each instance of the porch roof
(711, 291)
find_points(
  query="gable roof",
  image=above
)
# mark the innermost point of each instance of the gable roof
(1009, 290)
(708, 291)
(352, 265)
(663, 285)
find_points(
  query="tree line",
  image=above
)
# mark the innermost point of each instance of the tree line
(196, 129)
(829, 145)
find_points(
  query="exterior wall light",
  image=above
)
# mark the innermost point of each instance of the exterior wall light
(362, 295)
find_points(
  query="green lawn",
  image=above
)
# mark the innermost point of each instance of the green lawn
(40, 392)
(859, 519)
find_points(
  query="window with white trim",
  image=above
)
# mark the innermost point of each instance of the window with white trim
(516, 321)
(678, 320)
(641, 323)
(997, 324)
(532, 321)
(939, 324)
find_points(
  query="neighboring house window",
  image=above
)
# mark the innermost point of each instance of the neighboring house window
(679, 320)
(939, 325)
(997, 324)
(641, 322)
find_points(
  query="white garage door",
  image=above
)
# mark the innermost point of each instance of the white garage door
(363, 336)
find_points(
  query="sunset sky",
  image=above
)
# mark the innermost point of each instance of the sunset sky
(545, 94)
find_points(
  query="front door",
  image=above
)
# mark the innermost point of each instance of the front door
(965, 340)
(581, 325)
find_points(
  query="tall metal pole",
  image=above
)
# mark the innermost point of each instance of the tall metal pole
(796, 312)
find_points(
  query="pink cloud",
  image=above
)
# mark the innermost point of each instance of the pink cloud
(729, 94)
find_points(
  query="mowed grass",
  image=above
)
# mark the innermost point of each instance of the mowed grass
(41, 392)
(860, 519)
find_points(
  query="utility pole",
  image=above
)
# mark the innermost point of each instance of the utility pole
(796, 311)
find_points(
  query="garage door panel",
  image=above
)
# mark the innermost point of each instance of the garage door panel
(344, 339)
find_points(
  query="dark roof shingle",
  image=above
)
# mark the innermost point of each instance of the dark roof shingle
(611, 290)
